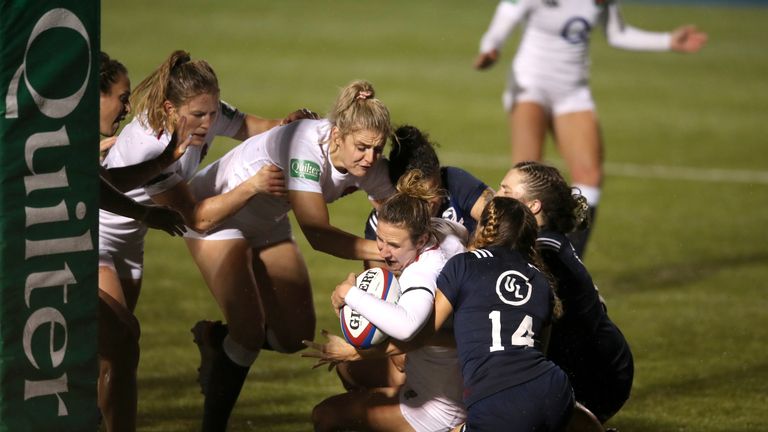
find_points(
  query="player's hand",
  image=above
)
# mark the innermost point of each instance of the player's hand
(340, 293)
(269, 180)
(332, 352)
(107, 143)
(299, 114)
(687, 39)
(486, 60)
(180, 140)
(166, 219)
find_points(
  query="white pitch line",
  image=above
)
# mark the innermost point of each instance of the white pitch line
(621, 169)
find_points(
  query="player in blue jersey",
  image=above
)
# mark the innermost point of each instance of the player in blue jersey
(501, 305)
(548, 85)
(584, 342)
(461, 196)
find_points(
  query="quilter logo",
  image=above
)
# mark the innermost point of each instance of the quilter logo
(48, 130)
(305, 169)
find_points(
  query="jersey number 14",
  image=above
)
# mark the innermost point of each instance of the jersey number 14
(523, 336)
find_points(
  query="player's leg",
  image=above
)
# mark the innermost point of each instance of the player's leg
(372, 410)
(581, 145)
(284, 286)
(226, 268)
(528, 124)
(582, 420)
(118, 349)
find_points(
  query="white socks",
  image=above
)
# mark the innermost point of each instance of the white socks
(591, 193)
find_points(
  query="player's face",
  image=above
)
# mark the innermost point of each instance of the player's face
(395, 245)
(114, 105)
(512, 186)
(356, 152)
(200, 112)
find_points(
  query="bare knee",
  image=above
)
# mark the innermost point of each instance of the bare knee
(119, 333)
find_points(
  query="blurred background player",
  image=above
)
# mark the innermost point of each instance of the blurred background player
(548, 85)
(251, 263)
(415, 245)
(584, 342)
(180, 92)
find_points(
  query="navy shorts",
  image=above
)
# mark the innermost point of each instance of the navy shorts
(542, 404)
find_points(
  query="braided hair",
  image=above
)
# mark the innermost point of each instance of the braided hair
(510, 223)
(563, 209)
(110, 70)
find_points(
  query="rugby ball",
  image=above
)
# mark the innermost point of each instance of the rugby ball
(357, 330)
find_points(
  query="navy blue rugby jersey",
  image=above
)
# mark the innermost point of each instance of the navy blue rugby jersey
(463, 191)
(584, 341)
(500, 303)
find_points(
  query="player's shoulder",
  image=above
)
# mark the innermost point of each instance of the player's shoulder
(551, 240)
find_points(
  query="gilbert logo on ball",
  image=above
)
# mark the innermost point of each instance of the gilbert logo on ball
(357, 330)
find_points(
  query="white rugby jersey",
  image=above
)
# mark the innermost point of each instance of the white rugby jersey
(430, 367)
(555, 43)
(300, 149)
(138, 143)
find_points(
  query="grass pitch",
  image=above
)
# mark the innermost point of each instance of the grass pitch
(680, 245)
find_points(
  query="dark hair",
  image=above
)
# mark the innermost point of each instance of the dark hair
(563, 210)
(412, 149)
(110, 71)
(509, 223)
(409, 207)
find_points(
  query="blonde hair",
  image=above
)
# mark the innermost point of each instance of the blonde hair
(357, 109)
(176, 80)
(409, 207)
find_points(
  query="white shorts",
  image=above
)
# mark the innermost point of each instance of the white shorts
(556, 100)
(263, 220)
(121, 246)
(427, 412)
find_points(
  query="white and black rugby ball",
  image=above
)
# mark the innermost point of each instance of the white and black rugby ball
(357, 330)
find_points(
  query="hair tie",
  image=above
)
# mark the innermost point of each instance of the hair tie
(364, 94)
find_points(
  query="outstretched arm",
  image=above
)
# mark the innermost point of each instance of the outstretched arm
(160, 218)
(312, 215)
(205, 214)
(685, 39)
(132, 176)
(254, 125)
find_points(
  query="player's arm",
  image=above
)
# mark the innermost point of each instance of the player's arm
(132, 176)
(401, 321)
(506, 17)
(205, 214)
(482, 201)
(685, 39)
(155, 217)
(254, 125)
(312, 215)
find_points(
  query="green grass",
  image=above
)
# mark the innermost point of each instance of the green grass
(682, 263)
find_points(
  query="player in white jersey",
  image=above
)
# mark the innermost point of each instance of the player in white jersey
(548, 84)
(418, 246)
(180, 92)
(265, 278)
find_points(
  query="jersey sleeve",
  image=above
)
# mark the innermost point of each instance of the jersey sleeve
(229, 121)
(402, 320)
(371, 225)
(621, 35)
(304, 159)
(508, 14)
(464, 188)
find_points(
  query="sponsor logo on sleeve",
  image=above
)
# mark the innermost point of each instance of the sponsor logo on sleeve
(305, 169)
